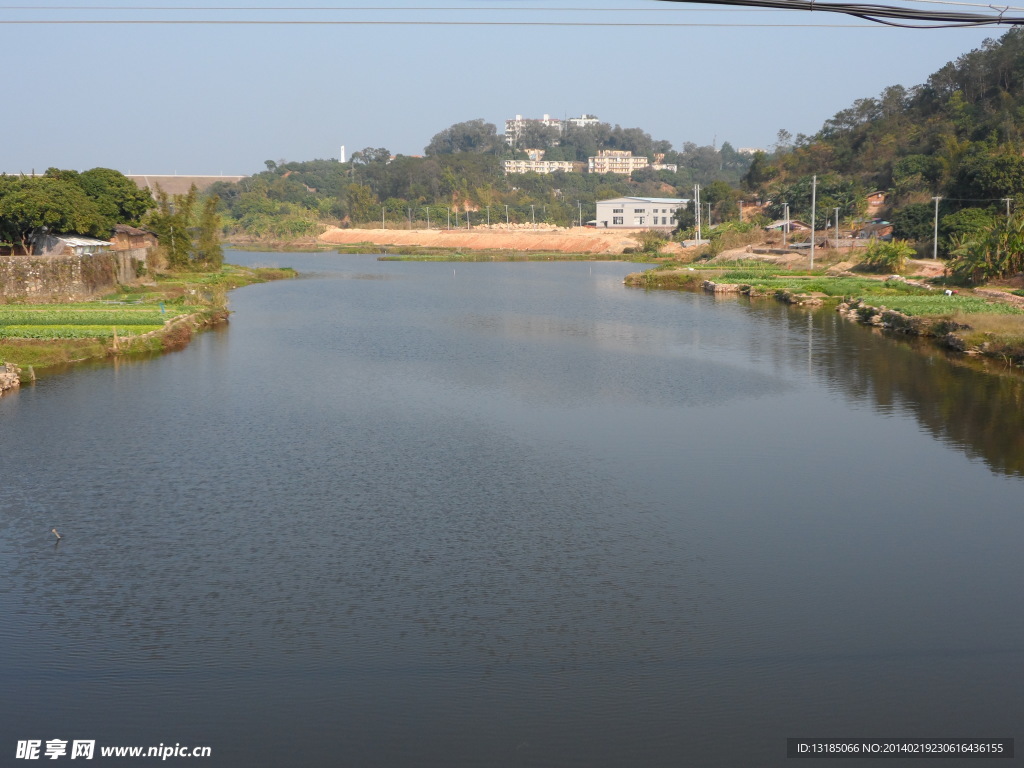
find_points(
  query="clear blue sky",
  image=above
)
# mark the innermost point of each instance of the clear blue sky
(223, 99)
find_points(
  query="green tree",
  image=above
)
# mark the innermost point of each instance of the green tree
(914, 222)
(208, 250)
(470, 136)
(760, 172)
(171, 220)
(988, 174)
(722, 199)
(118, 198)
(361, 203)
(33, 206)
(650, 241)
(964, 224)
(890, 257)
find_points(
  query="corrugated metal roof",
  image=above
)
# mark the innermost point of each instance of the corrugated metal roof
(77, 241)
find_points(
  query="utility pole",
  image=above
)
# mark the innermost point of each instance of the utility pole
(580, 205)
(533, 218)
(428, 217)
(837, 227)
(696, 208)
(935, 235)
(449, 217)
(507, 225)
(1007, 200)
(488, 217)
(741, 210)
(382, 217)
(785, 224)
(814, 211)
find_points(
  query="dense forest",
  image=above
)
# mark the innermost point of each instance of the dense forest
(462, 171)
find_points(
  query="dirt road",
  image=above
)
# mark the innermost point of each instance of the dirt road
(577, 240)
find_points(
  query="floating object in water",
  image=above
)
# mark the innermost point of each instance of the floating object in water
(54, 532)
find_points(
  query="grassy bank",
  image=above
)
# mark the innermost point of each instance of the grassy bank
(965, 321)
(155, 316)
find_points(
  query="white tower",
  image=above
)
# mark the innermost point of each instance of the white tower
(341, 155)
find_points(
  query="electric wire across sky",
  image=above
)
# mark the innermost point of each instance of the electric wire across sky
(888, 15)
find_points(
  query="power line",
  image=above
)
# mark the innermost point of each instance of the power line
(881, 14)
(477, 8)
(888, 15)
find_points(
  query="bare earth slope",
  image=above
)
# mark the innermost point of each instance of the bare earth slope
(561, 240)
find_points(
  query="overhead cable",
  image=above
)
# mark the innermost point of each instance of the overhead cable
(890, 15)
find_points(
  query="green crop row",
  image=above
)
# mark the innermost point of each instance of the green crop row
(73, 331)
(80, 318)
(92, 316)
(940, 304)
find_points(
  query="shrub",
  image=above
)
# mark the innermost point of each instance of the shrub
(889, 257)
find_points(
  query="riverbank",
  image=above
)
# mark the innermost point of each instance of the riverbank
(161, 314)
(986, 321)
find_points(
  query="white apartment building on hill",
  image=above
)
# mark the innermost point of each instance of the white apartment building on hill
(514, 127)
(541, 166)
(616, 161)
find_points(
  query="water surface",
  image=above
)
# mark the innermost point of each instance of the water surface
(511, 514)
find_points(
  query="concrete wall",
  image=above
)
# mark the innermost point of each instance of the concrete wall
(45, 279)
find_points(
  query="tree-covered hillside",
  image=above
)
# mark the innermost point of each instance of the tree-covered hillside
(959, 136)
(462, 170)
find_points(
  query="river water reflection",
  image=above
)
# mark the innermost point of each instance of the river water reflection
(418, 514)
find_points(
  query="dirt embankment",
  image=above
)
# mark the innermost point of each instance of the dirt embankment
(578, 240)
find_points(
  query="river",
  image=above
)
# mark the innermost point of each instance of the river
(511, 514)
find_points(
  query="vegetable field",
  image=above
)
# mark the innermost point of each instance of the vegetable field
(940, 304)
(83, 321)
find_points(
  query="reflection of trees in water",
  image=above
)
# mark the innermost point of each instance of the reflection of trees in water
(956, 401)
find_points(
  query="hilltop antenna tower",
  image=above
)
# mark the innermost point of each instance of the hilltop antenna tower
(341, 154)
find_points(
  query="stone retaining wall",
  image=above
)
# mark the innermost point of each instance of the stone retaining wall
(44, 279)
(9, 377)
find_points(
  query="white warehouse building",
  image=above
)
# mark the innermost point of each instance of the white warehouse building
(639, 212)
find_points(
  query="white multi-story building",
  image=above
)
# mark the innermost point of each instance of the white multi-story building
(583, 120)
(514, 128)
(541, 166)
(616, 161)
(639, 212)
